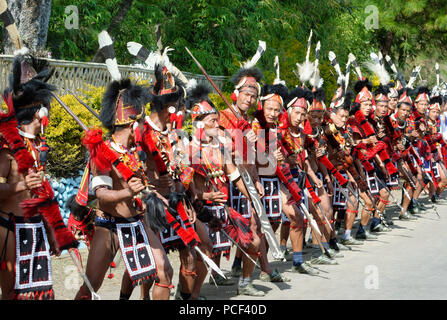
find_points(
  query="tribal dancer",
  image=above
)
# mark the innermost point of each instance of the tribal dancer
(437, 146)
(211, 183)
(401, 147)
(279, 194)
(118, 180)
(340, 149)
(246, 95)
(169, 175)
(293, 139)
(367, 149)
(31, 226)
(415, 131)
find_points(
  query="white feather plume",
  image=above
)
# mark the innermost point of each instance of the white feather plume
(21, 52)
(259, 52)
(305, 70)
(104, 40)
(378, 69)
(308, 46)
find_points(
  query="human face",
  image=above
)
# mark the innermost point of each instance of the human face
(315, 118)
(366, 107)
(433, 114)
(271, 111)
(211, 125)
(297, 115)
(421, 106)
(392, 104)
(403, 111)
(246, 98)
(341, 117)
(381, 109)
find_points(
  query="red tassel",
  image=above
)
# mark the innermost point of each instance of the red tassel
(284, 120)
(239, 231)
(315, 198)
(110, 276)
(325, 161)
(45, 122)
(10, 132)
(112, 264)
(285, 176)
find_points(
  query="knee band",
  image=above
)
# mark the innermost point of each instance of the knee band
(169, 286)
(186, 272)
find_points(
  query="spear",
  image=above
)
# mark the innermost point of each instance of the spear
(85, 105)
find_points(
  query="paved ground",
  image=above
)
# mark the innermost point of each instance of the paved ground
(406, 263)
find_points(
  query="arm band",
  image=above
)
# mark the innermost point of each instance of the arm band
(233, 176)
(102, 181)
(3, 180)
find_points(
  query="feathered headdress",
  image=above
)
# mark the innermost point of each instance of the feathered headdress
(198, 103)
(28, 81)
(318, 101)
(422, 93)
(248, 76)
(123, 102)
(435, 103)
(363, 89)
(382, 93)
(299, 97)
(275, 92)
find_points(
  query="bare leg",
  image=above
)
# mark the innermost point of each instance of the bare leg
(206, 246)
(7, 276)
(99, 259)
(164, 269)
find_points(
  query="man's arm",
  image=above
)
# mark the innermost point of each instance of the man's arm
(8, 190)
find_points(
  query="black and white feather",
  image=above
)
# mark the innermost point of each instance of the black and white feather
(254, 60)
(356, 66)
(108, 52)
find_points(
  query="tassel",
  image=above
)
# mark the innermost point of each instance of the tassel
(239, 228)
(10, 132)
(315, 198)
(64, 237)
(285, 176)
(325, 161)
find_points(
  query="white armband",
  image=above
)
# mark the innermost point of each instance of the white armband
(102, 181)
(233, 176)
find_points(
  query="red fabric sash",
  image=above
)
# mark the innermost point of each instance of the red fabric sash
(102, 156)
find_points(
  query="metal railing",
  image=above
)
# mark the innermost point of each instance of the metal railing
(74, 75)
